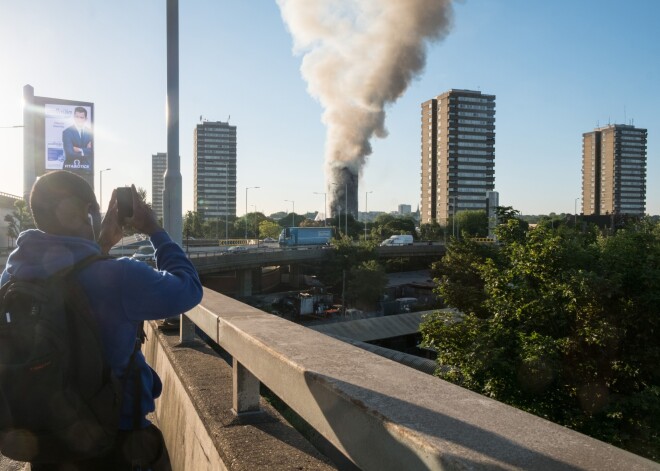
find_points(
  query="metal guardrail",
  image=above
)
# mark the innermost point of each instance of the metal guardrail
(7, 195)
(383, 415)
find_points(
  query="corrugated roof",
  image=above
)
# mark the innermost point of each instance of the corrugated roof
(375, 328)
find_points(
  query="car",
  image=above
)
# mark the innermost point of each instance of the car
(145, 253)
(237, 248)
(269, 240)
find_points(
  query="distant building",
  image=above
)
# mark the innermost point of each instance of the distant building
(158, 167)
(458, 154)
(405, 209)
(215, 169)
(614, 170)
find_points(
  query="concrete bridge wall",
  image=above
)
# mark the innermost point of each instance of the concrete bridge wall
(380, 414)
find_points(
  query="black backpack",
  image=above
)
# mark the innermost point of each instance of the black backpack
(59, 400)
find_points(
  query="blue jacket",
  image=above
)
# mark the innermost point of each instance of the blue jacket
(122, 293)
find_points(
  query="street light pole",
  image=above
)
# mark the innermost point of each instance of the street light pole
(226, 200)
(453, 215)
(575, 210)
(366, 210)
(325, 207)
(101, 186)
(246, 208)
(293, 212)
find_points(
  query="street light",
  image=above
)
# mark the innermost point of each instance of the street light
(246, 207)
(226, 200)
(325, 207)
(293, 212)
(575, 210)
(453, 215)
(366, 210)
(101, 185)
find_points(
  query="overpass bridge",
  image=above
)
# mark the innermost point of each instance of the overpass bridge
(373, 413)
(248, 264)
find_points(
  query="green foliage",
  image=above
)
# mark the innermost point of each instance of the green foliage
(291, 220)
(193, 225)
(19, 220)
(560, 323)
(460, 282)
(268, 228)
(366, 284)
(473, 223)
(386, 225)
(431, 231)
(346, 255)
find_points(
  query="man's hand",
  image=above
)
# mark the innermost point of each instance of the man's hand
(144, 219)
(77, 149)
(111, 231)
(89, 145)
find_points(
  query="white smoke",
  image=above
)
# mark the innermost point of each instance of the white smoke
(359, 56)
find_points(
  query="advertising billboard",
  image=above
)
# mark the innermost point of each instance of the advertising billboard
(58, 135)
(69, 137)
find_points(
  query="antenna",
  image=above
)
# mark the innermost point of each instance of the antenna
(228, 118)
(625, 117)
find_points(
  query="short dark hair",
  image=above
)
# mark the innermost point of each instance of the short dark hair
(80, 109)
(53, 188)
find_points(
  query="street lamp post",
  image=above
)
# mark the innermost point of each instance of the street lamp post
(366, 210)
(453, 215)
(101, 186)
(226, 200)
(575, 210)
(293, 212)
(325, 207)
(246, 208)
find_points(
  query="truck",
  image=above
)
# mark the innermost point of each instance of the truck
(305, 236)
(399, 239)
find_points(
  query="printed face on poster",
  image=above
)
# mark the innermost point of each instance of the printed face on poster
(69, 137)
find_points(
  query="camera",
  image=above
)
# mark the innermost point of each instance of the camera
(124, 203)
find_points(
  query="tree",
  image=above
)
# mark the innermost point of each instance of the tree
(193, 225)
(386, 225)
(563, 324)
(473, 223)
(268, 228)
(19, 220)
(431, 231)
(366, 284)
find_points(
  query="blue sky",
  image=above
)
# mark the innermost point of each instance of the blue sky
(558, 70)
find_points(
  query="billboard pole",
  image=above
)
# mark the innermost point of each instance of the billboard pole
(29, 142)
(172, 207)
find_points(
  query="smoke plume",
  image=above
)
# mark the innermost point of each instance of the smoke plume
(359, 56)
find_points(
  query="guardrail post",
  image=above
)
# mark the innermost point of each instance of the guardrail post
(245, 390)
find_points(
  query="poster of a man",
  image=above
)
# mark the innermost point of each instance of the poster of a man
(69, 136)
(77, 141)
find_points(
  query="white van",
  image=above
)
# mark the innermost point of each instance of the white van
(401, 239)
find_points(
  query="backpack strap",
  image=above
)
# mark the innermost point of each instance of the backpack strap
(71, 270)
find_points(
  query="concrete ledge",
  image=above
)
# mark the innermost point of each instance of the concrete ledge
(201, 431)
(385, 416)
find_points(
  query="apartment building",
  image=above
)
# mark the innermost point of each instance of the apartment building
(158, 167)
(614, 170)
(215, 169)
(458, 154)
